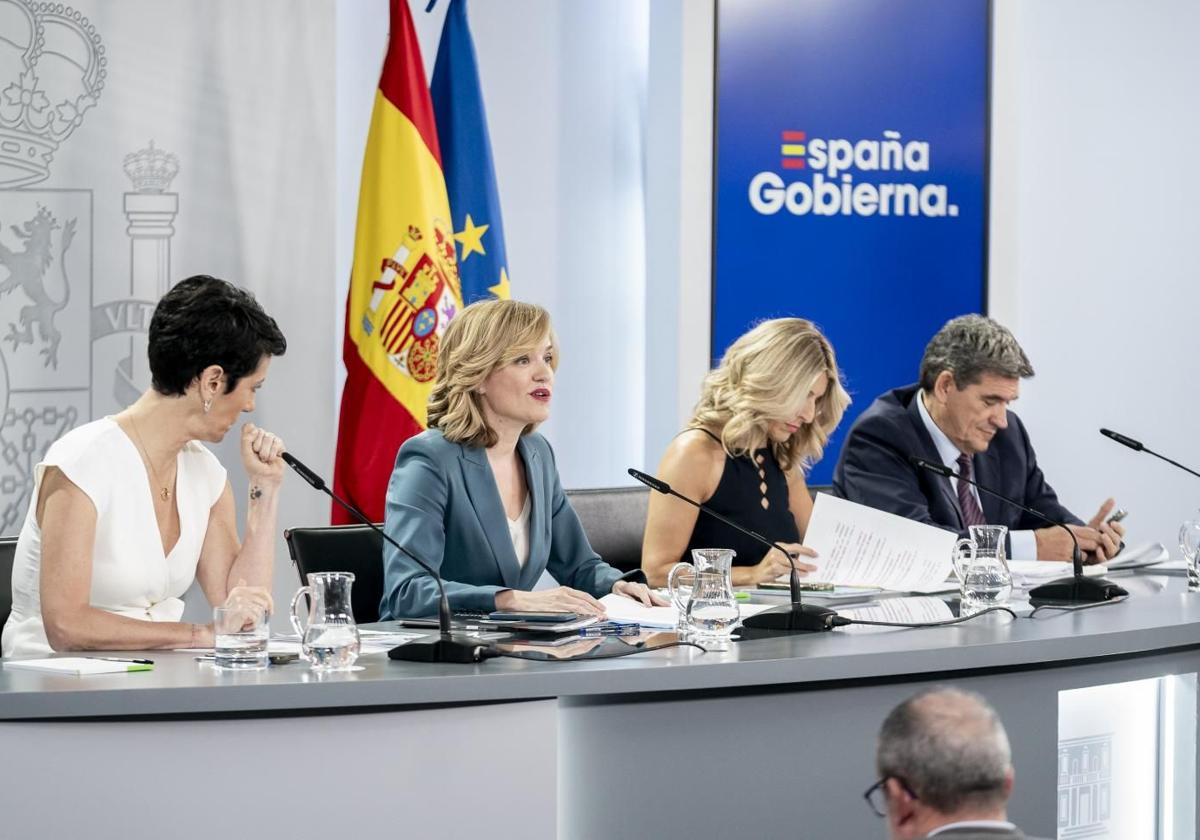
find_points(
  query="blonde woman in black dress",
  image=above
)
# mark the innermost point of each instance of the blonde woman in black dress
(764, 415)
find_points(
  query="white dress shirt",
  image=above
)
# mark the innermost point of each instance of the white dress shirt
(987, 824)
(1023, 544)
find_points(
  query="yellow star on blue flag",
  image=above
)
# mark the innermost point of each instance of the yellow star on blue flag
(471, 239)
(467, 160)
(501, 289)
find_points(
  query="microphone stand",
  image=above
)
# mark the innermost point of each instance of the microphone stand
(1075, 589)
(440, 648)
(796, 617)
(1137, 446)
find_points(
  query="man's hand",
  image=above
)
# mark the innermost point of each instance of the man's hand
(1099, 540)
(1053, 543)
(1110, 534)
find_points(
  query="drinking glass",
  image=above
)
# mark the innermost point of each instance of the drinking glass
(240, 635)
(1189, 543)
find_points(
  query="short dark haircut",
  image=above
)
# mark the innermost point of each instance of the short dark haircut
(969, 346)
(949, 747)
(206, 321)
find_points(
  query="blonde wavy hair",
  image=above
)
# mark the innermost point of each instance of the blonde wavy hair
(483, 337)
(765, 376)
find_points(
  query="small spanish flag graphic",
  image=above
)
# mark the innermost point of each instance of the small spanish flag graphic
(792, 150)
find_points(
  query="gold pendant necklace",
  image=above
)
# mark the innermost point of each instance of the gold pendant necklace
(164, 492)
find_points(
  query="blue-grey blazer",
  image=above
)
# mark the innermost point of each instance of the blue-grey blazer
(443, 506)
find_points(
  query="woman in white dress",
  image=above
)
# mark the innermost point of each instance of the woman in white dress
(127, 511)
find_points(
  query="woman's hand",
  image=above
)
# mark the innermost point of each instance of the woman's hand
(261, 453)
(202, 636)
(639, 592)
(776, 564)
(254, 601)
(559, 599)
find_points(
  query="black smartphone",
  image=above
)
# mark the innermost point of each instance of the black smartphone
(282, 658)
(547, 617)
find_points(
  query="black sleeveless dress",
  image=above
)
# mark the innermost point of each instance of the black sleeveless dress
(745, 483)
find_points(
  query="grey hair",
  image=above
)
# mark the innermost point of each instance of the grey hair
(949, 747)
(969, 346)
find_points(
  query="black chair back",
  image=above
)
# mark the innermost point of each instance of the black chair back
(614, 519)
(8, 551)
(814, 489)
(342, 548)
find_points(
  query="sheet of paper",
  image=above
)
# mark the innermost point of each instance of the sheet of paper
(1033, 572)
(859, 546)
(620, 608)
(1150, 554)
(838, 593)
(370, 642)
(914, 610)
(79, 666)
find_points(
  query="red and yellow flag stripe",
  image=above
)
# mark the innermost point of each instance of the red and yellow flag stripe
(404, 284)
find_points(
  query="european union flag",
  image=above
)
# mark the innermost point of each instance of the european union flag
(467, 161)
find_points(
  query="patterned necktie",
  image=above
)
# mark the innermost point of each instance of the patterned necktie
(971, 513)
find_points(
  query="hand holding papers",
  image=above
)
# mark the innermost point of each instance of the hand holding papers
(859, 546)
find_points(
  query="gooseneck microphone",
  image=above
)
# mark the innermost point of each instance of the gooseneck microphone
(1138, 446)
(1078, 588)
(440, 648)
(796, 617)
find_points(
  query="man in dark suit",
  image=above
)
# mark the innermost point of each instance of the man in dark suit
(958, 415)
(945, 769)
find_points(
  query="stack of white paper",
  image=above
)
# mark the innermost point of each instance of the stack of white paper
(916, 610)
(370, 641)
(620, 608)
(1028, 573)
(859, 546)
(78, 665)
(1150, 554)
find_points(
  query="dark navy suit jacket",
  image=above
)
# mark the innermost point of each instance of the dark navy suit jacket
(873, 470)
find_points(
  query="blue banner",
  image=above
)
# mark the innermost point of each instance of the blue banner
(467, 161)
(851, 177)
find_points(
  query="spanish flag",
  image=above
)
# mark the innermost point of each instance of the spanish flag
(404, 285)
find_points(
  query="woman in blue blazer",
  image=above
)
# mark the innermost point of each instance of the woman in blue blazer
(477, 496)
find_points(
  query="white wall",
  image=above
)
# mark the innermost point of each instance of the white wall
(1095, 179)
(678, 174)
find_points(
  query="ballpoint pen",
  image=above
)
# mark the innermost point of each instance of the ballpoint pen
(128, 661)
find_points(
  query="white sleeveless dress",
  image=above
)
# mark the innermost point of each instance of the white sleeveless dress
(130, 574)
